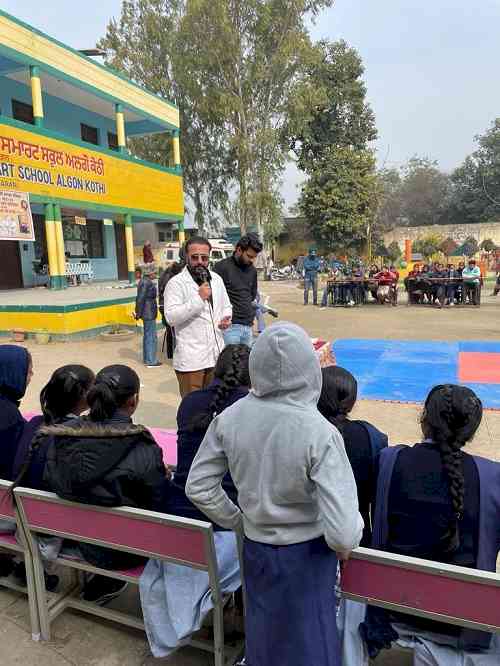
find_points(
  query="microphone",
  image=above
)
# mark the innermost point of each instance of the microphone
(201, 275)
(208, 279)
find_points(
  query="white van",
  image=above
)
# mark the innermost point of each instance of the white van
(221, 249)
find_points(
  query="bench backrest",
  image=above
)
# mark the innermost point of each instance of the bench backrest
(7, 508)
(457, 595)
(146, 533)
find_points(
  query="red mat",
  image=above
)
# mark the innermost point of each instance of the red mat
(479, 367)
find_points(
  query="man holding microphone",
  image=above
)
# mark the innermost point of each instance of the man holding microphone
(196, 304)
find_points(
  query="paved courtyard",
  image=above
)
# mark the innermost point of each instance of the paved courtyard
(84, 641)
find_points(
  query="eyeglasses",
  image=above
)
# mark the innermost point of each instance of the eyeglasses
(199, 257)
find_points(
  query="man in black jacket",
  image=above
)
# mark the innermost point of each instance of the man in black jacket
(240, 279)
(146, 309)
(169, 337)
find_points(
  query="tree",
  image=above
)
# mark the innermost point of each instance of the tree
(331, 125)
(232, 68)
(143, 44)
(470, 247)
(329, 107)
(390, 205)
(243, 61)
(428, 245)
(394, 251)
(381, 250)
(338, 199)
(448, 247)
(476, 183)
(425, 193)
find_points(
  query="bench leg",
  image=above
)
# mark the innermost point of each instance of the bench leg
(32, 599)
(218, 616)
(41, 596)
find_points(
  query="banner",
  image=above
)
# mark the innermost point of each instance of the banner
(16, 222)
(33, 162)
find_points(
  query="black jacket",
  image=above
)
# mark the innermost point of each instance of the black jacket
(115, 463)
(110, 464)
(145, 302)
(241, 286)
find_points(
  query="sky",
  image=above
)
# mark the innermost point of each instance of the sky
(432, 69)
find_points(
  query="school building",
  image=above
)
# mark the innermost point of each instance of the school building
(65, 121)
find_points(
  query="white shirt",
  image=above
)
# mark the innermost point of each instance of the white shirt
(199, 339)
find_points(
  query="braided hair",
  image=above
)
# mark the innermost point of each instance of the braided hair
(338, 395)
(451, 416)
(64, 391)
(232, 371)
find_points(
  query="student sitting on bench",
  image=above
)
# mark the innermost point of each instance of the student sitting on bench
(437, 502)
(105, 459)
(363, 442)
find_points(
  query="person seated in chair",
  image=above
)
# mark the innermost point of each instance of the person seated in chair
(472, 283)
(105, 459)
(16, 370)
(385, 280)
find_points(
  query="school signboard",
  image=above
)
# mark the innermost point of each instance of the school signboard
(49, 167)
(16, 222)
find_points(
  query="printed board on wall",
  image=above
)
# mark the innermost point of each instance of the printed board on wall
(16, 222)
(53, 168)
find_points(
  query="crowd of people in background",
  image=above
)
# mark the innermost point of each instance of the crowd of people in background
(267, 447)
(440, 285)
(351, 283)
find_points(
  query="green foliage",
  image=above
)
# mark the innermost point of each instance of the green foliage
(244, 60)
(425, 193)
(143, 44)
(381, 250)
(390, 204)
(330, 126)
(477, 181)
(428, 245)
(232, 67)
(394, 251)
(338, 198)
(329, 108)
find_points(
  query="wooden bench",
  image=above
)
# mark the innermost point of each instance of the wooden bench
(16, 543)
(457, 595)
(146, 533)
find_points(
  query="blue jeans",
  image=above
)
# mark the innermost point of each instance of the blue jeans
(311, 281)
(149, 341)
(238, 334)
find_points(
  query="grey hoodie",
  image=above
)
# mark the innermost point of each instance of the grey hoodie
(287, 462)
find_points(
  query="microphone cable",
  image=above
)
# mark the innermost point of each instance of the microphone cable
(211, 310)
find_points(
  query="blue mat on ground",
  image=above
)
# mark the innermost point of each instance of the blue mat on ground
(405, 371)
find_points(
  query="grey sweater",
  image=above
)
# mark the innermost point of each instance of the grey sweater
(287, 462)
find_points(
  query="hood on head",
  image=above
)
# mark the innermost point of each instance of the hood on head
(14, 362)
(283, 362)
